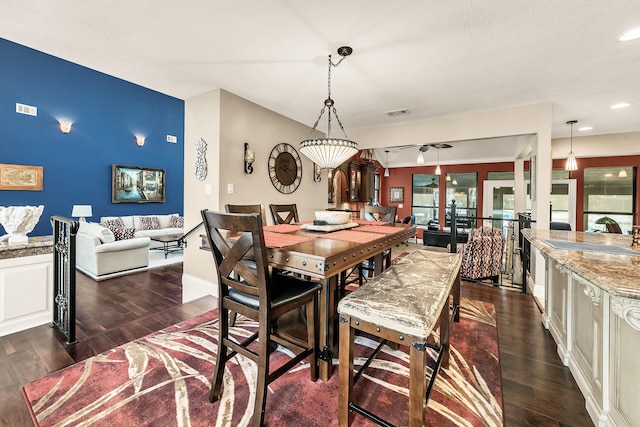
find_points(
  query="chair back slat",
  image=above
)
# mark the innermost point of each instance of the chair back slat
(248, 209)
(284, 214)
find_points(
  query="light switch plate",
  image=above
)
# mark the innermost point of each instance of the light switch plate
(229, 188)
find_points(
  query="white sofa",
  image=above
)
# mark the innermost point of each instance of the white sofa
(99, 254)
(134, 221)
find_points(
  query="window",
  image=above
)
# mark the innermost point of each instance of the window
(608, 195)
(463, 188)
(425, 198)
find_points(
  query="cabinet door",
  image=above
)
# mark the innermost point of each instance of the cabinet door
(368, 183)
(355, 182)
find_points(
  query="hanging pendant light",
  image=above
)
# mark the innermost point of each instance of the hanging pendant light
(330, 152)
(571, 165)
(420, 159)
(386, 169)
(438, 171)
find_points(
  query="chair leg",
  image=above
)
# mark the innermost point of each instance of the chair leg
(263, 371)
(221, 357)
(312, 337)
(233, 316)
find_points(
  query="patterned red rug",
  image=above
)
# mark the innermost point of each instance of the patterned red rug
(163, 380)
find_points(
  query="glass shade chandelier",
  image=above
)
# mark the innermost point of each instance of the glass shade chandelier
(386, 169)
(571, 165)
(330, 152)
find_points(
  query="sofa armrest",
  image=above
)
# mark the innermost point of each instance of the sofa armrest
(123, 245)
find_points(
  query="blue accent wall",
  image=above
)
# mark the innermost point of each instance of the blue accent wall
(106, 112)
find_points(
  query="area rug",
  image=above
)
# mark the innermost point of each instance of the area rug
(163, 380)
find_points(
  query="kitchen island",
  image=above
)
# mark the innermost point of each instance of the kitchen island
(592, 310)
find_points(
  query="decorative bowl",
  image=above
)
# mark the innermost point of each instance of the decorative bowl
(333, 217)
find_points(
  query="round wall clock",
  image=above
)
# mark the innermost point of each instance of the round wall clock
(285, 168)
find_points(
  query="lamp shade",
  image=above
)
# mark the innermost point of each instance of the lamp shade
(328, 153)
(81, 211)
(571, 165)
(420, 159)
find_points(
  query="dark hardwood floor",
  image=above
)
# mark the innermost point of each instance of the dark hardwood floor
(537, 389)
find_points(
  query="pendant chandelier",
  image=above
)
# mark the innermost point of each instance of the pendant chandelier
(571, 165)
(329, 152)
(386, 168)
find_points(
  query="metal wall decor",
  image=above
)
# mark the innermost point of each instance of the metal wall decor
(285, 168)
(201, 161)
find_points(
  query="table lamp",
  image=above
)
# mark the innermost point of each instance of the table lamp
(81, 211)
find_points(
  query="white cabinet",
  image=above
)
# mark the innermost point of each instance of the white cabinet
(26, 292)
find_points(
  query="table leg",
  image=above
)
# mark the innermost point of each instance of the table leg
(327, 336)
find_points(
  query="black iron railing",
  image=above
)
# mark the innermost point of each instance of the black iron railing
(64, 276)
(513, 251)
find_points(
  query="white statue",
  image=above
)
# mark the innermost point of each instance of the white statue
(18, 221)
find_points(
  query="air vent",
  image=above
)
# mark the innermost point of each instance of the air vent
(403, 112)
(26, 109)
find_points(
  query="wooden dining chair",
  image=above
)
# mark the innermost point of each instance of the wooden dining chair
(385, 214)
(245, 209)
(284, 214)
(261, 295)
(248, 209)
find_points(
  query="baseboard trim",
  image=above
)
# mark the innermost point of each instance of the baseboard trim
(195, 287)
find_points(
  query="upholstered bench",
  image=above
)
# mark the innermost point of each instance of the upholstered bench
(402, 305)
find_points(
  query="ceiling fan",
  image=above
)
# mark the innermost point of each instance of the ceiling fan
(432, 184)
(422, 148)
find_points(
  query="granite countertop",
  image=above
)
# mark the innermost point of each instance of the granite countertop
(607, 260)
(37, 245)
(402, 297)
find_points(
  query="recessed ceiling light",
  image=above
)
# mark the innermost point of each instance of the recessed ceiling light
(585, 128)
(630, 35)
(620, 105)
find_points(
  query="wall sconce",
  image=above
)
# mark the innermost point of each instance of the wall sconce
(249, 158)
(140, 140)
(317, 172)
(65, 126)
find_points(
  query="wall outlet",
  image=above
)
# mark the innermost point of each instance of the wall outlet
(208, 190)
(400, 206)
(172, 139)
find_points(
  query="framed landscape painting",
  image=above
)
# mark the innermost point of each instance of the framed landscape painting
(134, 184)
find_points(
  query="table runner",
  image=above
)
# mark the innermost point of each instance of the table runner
(352, 236)
(375, 229)
(366, 222)
(280, 240)
(282, 228)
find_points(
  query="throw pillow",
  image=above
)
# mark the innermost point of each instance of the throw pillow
(111, 224)
(176, 221)
(149, 223)
(124, 233)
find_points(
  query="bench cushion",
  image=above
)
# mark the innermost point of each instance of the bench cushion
(407, 297)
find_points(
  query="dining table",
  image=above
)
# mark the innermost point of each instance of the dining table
(326, 256)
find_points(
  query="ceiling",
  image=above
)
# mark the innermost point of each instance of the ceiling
(435, 58)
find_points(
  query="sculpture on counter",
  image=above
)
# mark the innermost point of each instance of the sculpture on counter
(18, 221)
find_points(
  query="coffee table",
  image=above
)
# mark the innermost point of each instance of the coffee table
(170, 243)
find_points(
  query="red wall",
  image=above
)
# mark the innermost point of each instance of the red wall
(402, 177)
